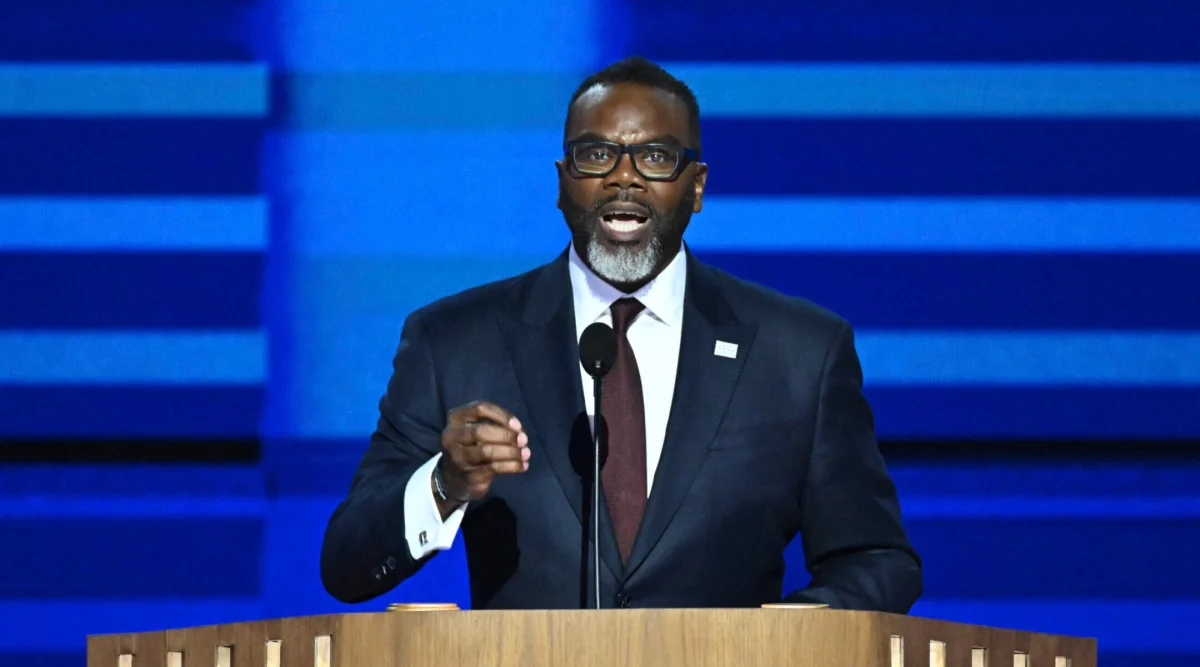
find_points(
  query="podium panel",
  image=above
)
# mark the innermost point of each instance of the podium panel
(591, 638)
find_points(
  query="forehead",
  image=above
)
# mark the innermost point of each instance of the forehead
(628, 113)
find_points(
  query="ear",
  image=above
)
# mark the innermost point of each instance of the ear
(700, 181)
(561, 167)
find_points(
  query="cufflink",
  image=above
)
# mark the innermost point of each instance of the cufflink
(423, 538)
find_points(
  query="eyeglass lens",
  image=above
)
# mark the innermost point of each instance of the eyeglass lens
(597, 158)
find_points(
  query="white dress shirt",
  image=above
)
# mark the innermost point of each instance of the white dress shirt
(654, 336)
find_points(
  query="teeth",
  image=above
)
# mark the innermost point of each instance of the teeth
(623, 226)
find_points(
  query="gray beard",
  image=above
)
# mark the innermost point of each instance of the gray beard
(624, 265)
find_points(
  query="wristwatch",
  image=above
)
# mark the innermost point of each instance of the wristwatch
(440, 485)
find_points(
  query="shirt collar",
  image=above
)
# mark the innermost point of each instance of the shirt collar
(663, 296)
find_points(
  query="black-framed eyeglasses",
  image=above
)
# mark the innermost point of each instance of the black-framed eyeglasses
(655, 162)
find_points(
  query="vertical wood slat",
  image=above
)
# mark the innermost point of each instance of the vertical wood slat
(322, 651)
(937, 653)
(274, 653)
(896, 650)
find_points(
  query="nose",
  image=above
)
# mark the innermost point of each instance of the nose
(625, 175)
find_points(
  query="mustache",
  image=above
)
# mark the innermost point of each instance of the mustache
(623, 196)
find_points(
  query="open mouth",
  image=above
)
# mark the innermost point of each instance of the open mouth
(624, 222)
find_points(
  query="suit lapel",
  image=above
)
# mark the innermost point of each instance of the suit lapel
(545, 355)
(703, 386)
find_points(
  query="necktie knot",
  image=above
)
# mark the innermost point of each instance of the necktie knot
(623, 312)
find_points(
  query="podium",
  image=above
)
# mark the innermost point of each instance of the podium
(769, 637)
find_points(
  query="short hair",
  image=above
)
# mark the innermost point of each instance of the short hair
(638, 70)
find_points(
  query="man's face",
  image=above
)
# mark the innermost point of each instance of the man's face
(625, 226)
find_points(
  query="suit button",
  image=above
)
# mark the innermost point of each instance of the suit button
(624, 601)
(391, 562)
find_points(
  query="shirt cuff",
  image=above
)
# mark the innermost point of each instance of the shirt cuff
(423, 526)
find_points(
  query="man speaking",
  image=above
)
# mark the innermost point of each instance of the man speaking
(735, 416)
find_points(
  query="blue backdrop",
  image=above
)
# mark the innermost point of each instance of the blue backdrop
(215, 216)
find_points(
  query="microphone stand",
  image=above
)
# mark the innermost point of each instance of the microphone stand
(597, 354)
(597, 386)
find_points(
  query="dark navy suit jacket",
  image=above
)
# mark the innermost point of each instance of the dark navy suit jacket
(775, 442)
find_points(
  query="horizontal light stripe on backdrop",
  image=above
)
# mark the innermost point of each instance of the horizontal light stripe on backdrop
(94, 411)
(1036, 413)
(131, 290)
(62, 224)
(139, 504)
(916, 507)
(1010, 358)
(393, 192)
(93, 156)
(874, 289)
(952, 157)
(338, 371)
(1028, 358)
(169, 483)
(358, 178)
(56, 624)
(993, 507)
(1027, 477)
(1017, 477)
(375, 35)
(136, 505)
(1043, 90)
(908, 290)
(177, 449)
(933, 31)
(72, 90)
(95, 357)
(984, 290)
(483, 100)
(473, 101)
(946, 224)
(1134, 658)
(62, 31)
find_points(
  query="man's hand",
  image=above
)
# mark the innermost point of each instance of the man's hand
(480, 441)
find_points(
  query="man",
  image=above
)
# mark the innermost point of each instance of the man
(734, 414)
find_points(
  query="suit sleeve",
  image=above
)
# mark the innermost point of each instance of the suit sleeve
(366, 550)
(855, 545)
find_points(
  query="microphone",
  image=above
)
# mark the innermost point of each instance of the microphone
(597, 353)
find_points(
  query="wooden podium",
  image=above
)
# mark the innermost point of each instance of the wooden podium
(795, 637)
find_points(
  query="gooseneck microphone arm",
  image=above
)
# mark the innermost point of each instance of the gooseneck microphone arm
(597, 353)
(597, 389)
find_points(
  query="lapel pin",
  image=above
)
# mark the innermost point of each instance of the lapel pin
(727, 350)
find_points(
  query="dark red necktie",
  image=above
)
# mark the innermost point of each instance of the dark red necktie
(624, 474)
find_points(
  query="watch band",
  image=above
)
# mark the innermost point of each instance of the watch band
(440, 485)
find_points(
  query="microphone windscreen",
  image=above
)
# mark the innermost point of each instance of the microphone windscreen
(598, 349)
